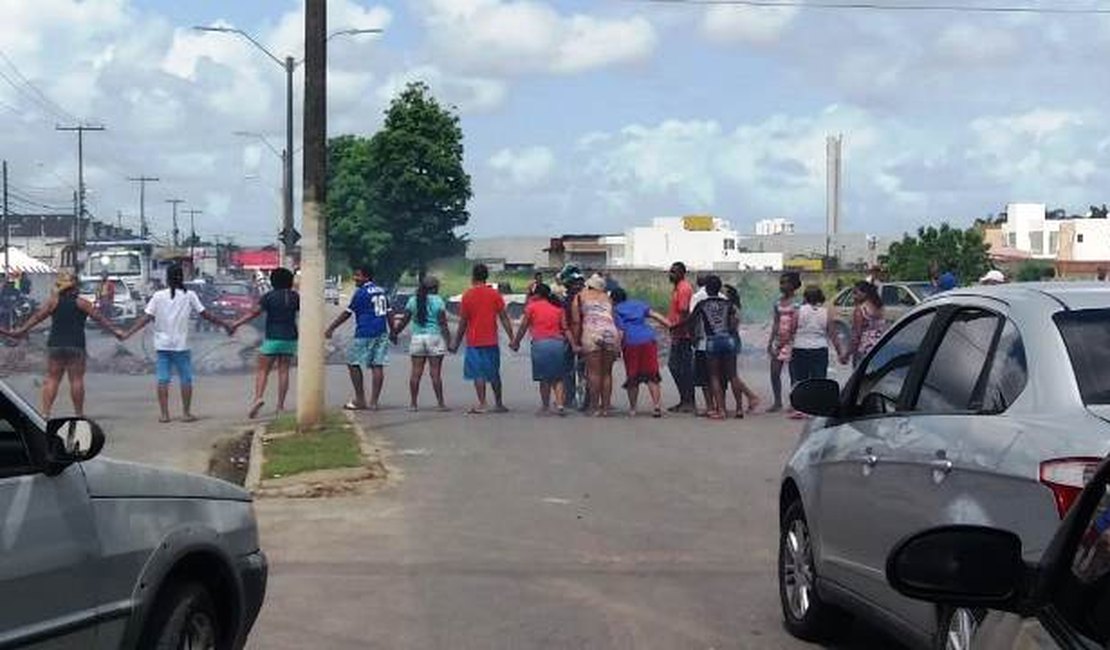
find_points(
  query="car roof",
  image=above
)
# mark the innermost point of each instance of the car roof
(1066, 295)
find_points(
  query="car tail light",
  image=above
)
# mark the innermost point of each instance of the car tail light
(1067, 477)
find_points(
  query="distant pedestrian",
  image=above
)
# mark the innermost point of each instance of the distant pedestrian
(594, 334)
(780, 347)
(430, 337)
(701, 366)
(545, 319)
(483, 308)
(715, 320)
(740, 388)
(573, 282)
(65, 347)
(106, 296)
(681, 360)
(868, 323)
(537, 280)
(816, 332)
(370, 346)
(640, 350)
(992, 277)
(170, 309)
(281, 306)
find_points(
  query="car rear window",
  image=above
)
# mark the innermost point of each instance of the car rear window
(1087, 337)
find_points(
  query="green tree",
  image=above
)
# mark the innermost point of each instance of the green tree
(962, 252)
(395, 200)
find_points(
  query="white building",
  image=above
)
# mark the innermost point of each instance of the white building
(701, 242)
(1080, 240)
(778, 226)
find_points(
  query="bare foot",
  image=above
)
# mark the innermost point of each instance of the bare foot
(255, 409)
(165, 419)
(189, 417)
(476, 410)
(500, 408)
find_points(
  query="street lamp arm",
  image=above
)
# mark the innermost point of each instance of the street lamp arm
(234, 30)
(345, 32)
(263, 138)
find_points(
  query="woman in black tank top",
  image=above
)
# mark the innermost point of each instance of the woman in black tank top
(65, 346)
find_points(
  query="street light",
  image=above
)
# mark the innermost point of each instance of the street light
(289, 64)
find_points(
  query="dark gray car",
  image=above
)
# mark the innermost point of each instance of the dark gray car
(105, 554)
(982, 406)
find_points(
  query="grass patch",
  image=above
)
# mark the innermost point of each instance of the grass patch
(333, 446)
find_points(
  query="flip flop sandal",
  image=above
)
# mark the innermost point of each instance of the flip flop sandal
(351, 406)
(256, 409)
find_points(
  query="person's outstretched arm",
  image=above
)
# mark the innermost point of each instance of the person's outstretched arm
(39, 316)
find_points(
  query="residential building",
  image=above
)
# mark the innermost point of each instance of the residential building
(702, 242)
(586, 251)
(1028, 229)
(777, 226)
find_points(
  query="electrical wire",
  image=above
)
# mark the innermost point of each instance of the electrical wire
(879, 6)
(46, 101)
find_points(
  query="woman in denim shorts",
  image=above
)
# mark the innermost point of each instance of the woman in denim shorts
(428, 314)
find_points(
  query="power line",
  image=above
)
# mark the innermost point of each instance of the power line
(878, 6)
(55, 107)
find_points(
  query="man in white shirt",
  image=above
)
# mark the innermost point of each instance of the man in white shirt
(170, 310)
(701, 372)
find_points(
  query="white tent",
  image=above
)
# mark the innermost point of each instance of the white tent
(21, 262)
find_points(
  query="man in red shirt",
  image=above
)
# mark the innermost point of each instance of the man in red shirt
(481, 310)
(681, 361)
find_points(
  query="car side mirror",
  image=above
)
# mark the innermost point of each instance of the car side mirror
(819, 397)
(961, 566)
(72, 440)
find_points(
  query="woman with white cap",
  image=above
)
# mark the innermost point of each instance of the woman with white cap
(595, 335)
(993, 276)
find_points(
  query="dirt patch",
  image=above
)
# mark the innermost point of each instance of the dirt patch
(231, 457)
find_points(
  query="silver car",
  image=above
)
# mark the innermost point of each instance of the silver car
(1061, 602)
(104, 554)
(982, 406)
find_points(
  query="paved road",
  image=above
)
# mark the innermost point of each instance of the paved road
(516, 532)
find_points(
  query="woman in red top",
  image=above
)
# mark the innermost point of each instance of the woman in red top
(546, 319)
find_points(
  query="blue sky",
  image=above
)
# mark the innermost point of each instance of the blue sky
(580, 115)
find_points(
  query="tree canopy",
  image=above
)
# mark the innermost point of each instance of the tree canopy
(962, 252)
(396, 199)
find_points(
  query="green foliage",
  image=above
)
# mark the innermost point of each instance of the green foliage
(962, 252)
(1034, 271)
(396, 199)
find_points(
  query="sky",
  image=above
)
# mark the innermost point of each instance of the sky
(578, 115)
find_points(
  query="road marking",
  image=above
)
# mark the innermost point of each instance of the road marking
(420, 451)
(557, 501)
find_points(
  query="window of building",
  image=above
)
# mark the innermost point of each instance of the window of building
(730, 244)
(1079, 238)
(1011, 239)
(1053, 242)
(1036, 241)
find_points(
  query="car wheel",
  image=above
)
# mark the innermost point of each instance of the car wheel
(956, 628)
(803, 611)
(184, 618)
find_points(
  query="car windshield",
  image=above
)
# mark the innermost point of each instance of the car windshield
(115, 264)
(1087, 337)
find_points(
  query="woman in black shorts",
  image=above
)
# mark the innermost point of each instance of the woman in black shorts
(65, 347)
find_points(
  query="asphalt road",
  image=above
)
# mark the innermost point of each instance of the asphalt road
(501, 531)
(510, 531)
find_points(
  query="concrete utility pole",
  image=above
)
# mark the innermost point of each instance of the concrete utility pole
(80, 130)
(310, 372)
(176, 232)
(144, 232)
(7, 227)
(193, 236)
(832, 199)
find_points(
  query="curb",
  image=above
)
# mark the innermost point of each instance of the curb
(254, 468)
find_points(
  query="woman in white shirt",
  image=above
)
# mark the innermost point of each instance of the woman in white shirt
(816, 330)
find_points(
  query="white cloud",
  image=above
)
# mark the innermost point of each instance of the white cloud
(965, 43)
(748, 25)
(526, 36)
(524, 168)
(470, 94)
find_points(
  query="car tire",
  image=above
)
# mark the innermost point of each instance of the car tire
(184, 617)
(804, 614)
(956, 628)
